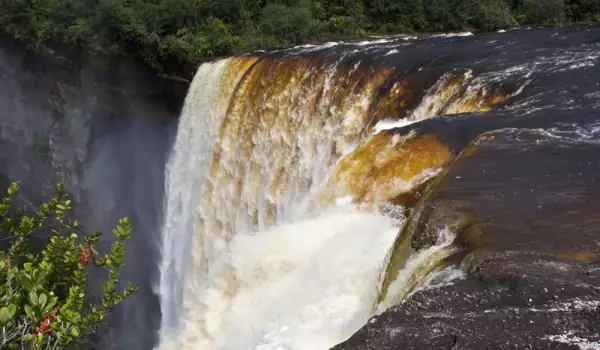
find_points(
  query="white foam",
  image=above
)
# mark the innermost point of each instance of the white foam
(330, 44)
(400, 288)
(312, 47)
(442, 278)
(570, 306)
(372, 42)
(346, 200)
(387, 124)
(571, 339)
(582, 65)
(306, 285)
(452, 35)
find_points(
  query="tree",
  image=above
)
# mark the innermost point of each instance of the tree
(393, 15)
(44, 297)
(543, 12)
(289, 23)
(167, 34)
(494, 14)
(583, 10)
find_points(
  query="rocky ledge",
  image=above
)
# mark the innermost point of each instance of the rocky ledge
(509, 301)
(524, 205)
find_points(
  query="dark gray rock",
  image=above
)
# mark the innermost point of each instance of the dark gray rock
(527, 215)
(510, 301)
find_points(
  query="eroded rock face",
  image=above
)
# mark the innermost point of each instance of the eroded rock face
(524, 207)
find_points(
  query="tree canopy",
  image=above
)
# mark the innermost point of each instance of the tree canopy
(165, 33)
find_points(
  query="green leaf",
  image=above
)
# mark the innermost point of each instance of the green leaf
(33, 297)
(12, 308)
(29, 311)
(51, 303)
(43, 298)
(5, 315)
(75, 331)
(25, 282)
(36, 276)
(27, 267)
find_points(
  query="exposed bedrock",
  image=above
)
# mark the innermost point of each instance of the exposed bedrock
(524, 206)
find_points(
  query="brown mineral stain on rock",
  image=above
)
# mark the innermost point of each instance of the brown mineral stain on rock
(399, 95)
(230, 78)
(579, 255)
(263, 136)
(386, 167)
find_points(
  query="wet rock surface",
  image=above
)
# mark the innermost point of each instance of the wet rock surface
(511, 300)
(527, 190)
(522, 198)
(525, 209)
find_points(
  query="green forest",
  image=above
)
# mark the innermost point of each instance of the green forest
(168, 33)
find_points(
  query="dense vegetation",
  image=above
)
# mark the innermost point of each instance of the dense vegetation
(166, 33)
(44, 300)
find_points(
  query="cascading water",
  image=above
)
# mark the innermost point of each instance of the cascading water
(187, 170)
(278, 218)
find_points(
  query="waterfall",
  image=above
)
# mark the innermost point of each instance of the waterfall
(282, 191)
(187, 169)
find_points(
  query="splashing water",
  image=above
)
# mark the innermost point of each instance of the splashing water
(303, 285)
(416, 270)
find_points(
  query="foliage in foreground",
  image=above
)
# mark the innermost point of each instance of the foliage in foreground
(167, 33)
(44, 301)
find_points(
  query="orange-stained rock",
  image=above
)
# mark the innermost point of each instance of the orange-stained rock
(581, 255)
(285, 118)
(385, 167)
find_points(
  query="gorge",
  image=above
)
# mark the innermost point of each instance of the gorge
(398, 192)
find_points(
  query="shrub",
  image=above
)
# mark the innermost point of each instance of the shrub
(44, 301)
